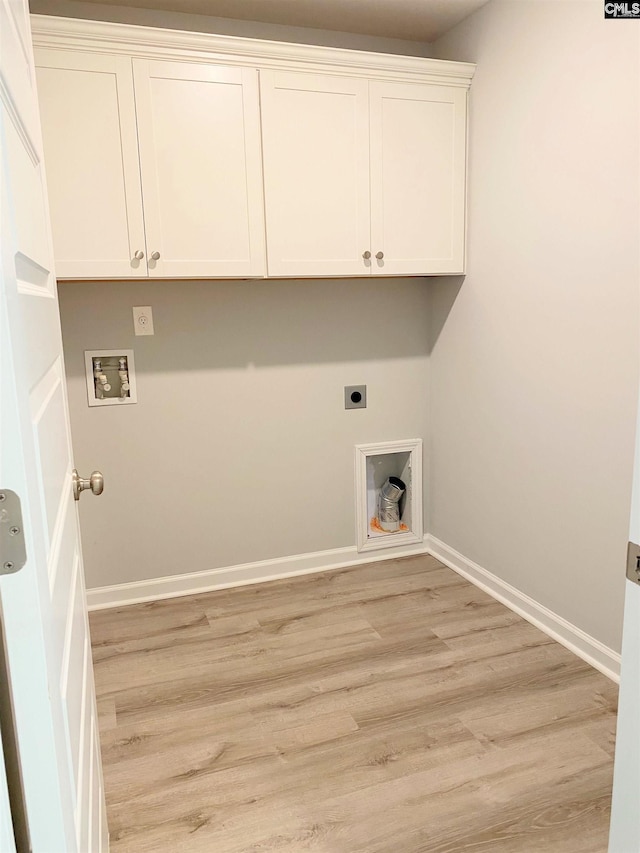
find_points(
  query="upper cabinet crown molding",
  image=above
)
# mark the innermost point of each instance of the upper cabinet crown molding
(153, 43)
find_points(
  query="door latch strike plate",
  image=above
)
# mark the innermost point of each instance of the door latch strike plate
(633, 562)
(13, 552)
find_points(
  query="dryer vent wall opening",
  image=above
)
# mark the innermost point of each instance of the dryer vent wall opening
(389, 494)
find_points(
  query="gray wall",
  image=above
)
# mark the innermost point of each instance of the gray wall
(532, 358)
(534, 364)
(239, 448)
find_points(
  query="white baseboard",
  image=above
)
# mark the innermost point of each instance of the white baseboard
(573, 638)
(136, 592)
(581, 644)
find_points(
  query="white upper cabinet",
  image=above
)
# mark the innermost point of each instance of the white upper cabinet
(315, 134)
(190, 155)
(91, 159)
(418, 150)
(362, 177)
(192, 135)
(199, 136)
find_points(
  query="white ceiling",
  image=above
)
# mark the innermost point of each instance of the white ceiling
(414, 20)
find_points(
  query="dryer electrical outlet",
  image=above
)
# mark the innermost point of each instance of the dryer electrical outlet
(355, 396)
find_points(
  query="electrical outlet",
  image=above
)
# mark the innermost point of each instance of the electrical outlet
(143, 320)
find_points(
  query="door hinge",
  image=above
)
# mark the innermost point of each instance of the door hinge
(633, 562)
(13, 552)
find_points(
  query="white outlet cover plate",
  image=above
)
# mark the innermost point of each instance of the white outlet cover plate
(115, 354)
(143, 320)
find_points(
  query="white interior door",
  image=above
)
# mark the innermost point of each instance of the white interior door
(7, 840)
(418, 150)
(315, 136)
(624, 836)
(200, 158)
(44, 621)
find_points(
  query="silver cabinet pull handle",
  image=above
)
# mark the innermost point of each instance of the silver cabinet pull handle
(379, 255)
(366, 255)
(155, 256)
(139, 255)
(95, 483)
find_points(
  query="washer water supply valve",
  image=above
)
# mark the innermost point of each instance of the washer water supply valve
(124, 377)
(102, 383)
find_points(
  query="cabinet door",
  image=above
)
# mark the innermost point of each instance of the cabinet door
(91, 160)
(316, 172)
(200, 160)
(418, 150)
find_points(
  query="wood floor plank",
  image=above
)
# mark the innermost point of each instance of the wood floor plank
(388, 708)
(491, 782)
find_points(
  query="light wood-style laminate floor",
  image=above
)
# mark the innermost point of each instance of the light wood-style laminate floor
(388, 708)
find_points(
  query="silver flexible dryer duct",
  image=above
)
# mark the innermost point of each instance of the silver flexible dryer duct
(389, 504)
